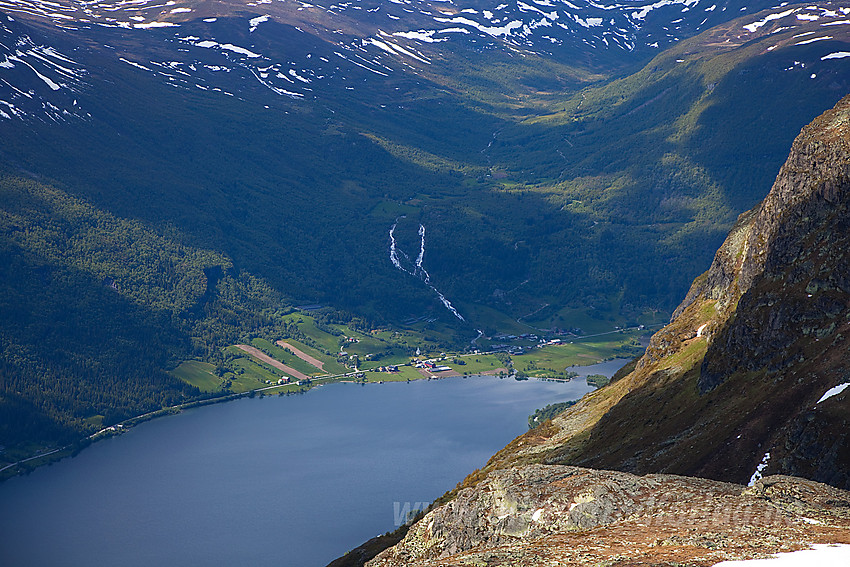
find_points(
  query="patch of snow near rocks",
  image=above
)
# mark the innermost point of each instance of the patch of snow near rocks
(822, 555)
(835, 390)
(759, 469)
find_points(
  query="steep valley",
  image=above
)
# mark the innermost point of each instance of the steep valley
(178, 178)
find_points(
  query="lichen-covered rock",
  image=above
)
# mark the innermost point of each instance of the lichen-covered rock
(559, 515)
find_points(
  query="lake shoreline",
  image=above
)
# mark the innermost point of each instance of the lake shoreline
(269, 472)
(53, 455)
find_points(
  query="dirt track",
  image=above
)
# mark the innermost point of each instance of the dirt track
(260, 355)
(303, 355)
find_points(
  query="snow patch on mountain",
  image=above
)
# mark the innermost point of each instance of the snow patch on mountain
(759, 469)
(150, 25)
(254, 23)
(814, 39)
(37, 81)
(615, 26)
(425, 36)
(821, 554)
(382, 36)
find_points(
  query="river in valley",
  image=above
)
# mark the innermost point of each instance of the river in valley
(284, 481)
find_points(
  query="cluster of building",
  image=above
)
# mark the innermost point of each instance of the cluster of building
(524, 336)
(432, 366)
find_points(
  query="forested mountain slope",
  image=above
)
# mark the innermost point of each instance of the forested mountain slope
(95, 308)
(192, 170)
(182, 121)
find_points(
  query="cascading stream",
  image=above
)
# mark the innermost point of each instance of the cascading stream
(393, 247)
(421, 256)
(419, 270)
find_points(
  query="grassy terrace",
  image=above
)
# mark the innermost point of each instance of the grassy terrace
(347, 354)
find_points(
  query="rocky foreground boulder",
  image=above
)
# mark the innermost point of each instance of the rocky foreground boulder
(564, 515)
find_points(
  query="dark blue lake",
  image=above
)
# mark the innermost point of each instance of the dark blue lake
(274, 481)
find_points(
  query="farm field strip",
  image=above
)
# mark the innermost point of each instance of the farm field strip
(260, 355)
(302, 355)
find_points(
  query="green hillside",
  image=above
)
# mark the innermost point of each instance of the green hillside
(172, 221)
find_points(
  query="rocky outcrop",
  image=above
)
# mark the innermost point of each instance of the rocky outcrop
(757, 341)
(793, 281)
(562, 515)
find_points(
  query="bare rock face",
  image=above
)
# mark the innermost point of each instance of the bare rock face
(761, 336)
(793, 278)
(545, 515)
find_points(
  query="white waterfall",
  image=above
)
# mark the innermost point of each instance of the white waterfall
(418, 269)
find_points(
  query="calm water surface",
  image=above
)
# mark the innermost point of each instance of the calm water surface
(274, 481)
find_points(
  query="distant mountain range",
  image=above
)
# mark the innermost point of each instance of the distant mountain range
(302, 50)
